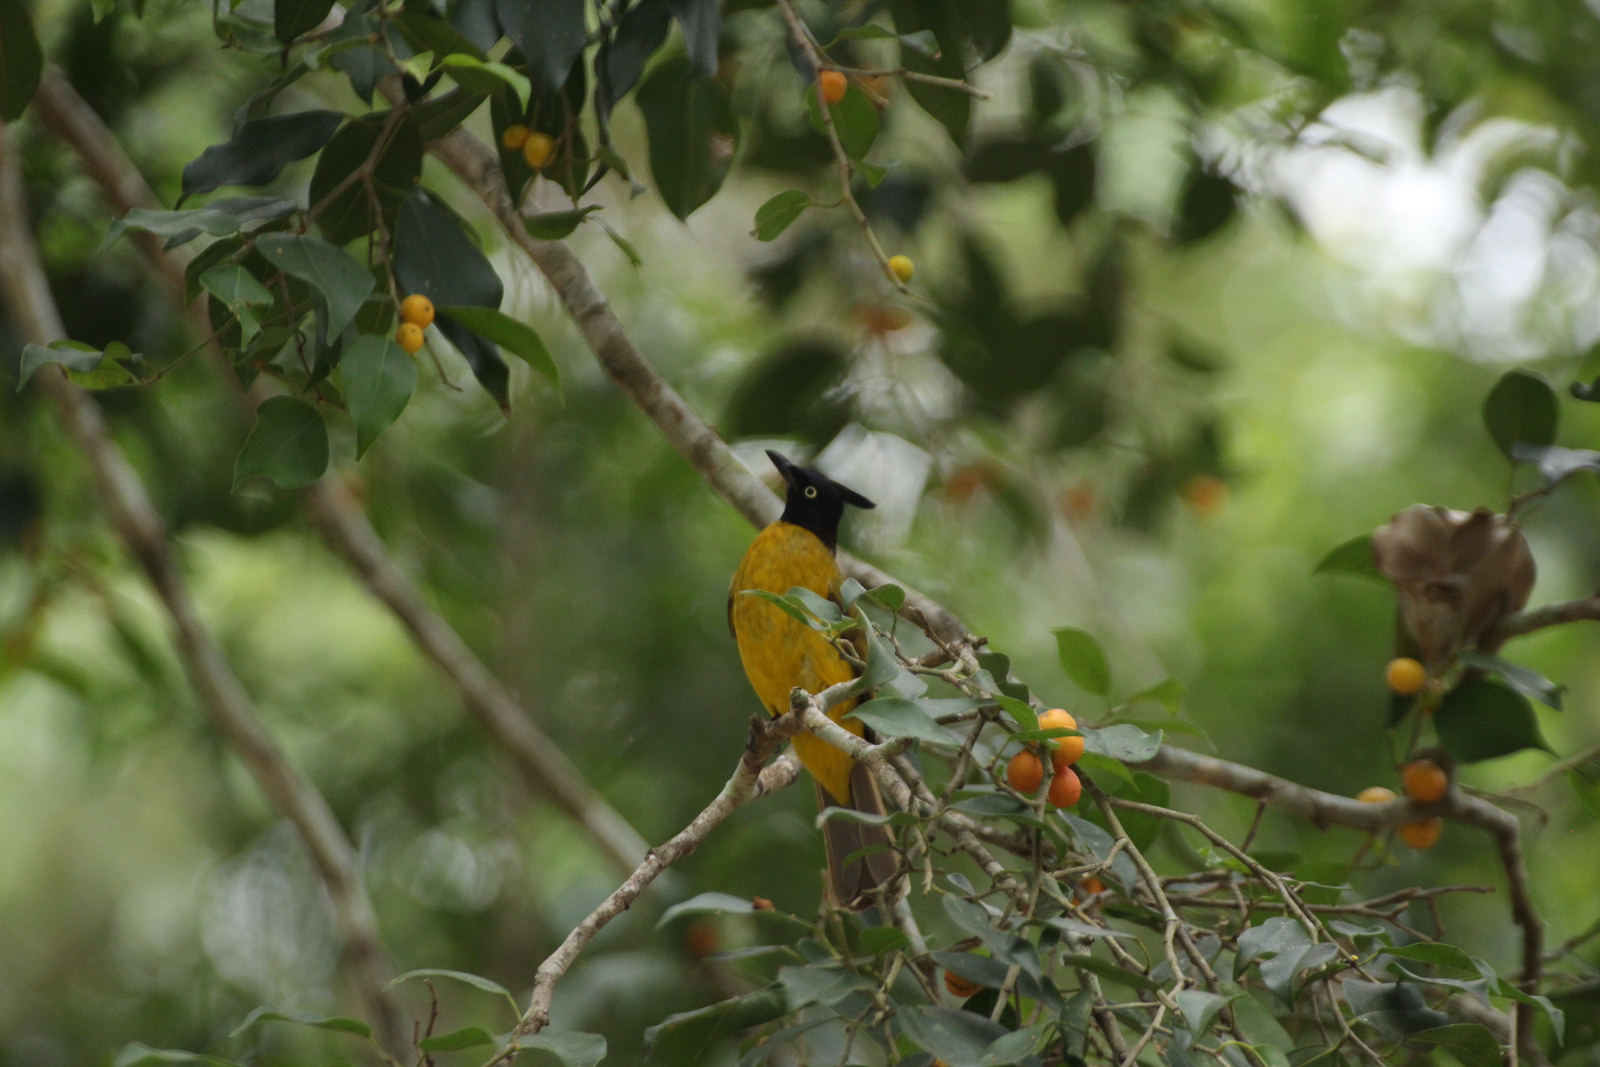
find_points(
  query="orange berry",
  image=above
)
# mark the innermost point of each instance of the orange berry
(1092, 885)
(418, 309)
(1422, 834)
(902, 268)
(538, 149)
(1065, 788)
(409, 337)
(1025, 772)
(1205, 493)
(833, 86)
(1405, 675)
(1067, 749)
(1375, 794)
(959, 986)
(760, 904)
(700, 939)
(1424, 780)
(514, 136)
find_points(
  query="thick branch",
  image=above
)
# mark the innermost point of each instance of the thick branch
(1525, 622)
(33, 313)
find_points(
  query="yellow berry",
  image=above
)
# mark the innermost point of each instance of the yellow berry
(1424, 780)
(514, 136)
(902, 267)
(409, 337)
(833, 86)
(1422, 834)
(538, 149)
(1375, 794)
(1067, 749)
(418, 309)
(1405, 675)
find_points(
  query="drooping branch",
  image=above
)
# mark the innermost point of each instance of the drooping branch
(541, 763)
(128, 506)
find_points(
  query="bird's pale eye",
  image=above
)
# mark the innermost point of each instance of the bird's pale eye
(811, 492)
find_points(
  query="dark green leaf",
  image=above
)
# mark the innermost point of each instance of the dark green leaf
(137, 1055)
(554, 225)
(240, 293)
(571, 1047)
(488, 366)
(518, 338)
(893, 717)
(303, 1018)
(342, 282)
(1167, 692)
(707, 904)
(86, 366)
(775, 216)
(218, 218)
(487, 77)
(455, 1040)
(1200, 1009)
(288, 445)
(640, 33)
(701, 21)
(1469, 1044)
(1556, 463)
(348, 215)
(878, 940)
(821, 983)
(1084, 660)
(1481, 719)
(689, 1033)
(1109, 970)
(21, 61)
(1520, 409)
(438, 116)
(476, 981)
(434, 256)
(1530, 683)
(363, 64)
(942, 18)
(692, 134)
(550, 35)
(791, 391)
(259, 150)
(1351, 557)
(379, 378)
(1206, 204)
(291, 18)
(960, 1038)
(855, 121)
(427, 32)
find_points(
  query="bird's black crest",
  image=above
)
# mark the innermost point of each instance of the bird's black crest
(815, 501)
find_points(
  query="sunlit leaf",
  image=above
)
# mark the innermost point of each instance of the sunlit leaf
(1084, 660)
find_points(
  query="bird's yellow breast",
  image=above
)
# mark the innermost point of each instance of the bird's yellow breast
(780, 652)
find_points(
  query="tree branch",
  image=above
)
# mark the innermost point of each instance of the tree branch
(134, 518)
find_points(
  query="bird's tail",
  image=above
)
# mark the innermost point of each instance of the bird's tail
(855, 881)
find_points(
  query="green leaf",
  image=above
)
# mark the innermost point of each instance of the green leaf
(821, 983)
(219, 218)
(571, 1047)
(914, 19)
(1469, 1044)
(701, 22)
(1530, 683)
(1200, 1009)
(1125, 742)
(342, 282)
(893, 717)
(455, 1040)
(960, 1038)
(303, 1018)
(692, 134)
(259, 150)
(1520, 409)
(879, 940)
(855, 120)
(1352, 557)
(1168, 693)
(689, 1033)
(1481, 719)
(137, 1055)
(554, 225)
(291, 18)
(1084, 660)
(1109, 970)
(86, 366)
(435, 256)
(241, 294)
(347, 215)
(922, 42)
(518, 338)
(707, 904)
(1555, 463)
(473, 980)
(486, 76)
(288, 445)
(775, 216)
(438, 115)
(21, 61)
(550, 35)
(379, 378)
(623, 244)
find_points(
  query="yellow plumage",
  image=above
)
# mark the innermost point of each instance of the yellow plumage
(779, 652)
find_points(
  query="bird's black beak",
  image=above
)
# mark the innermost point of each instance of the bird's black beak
(780, 461)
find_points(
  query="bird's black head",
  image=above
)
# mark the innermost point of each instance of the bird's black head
(815, 501)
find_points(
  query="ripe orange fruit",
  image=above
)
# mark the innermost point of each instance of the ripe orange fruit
(760, 903)
(700, 939)
(832, 85)
(1025, 772)
(1375, 794)
(1067, 749)
(1424, 780)
(1205, 493)
(902, 268)
(1092, 885)
(959, 986)
(1422, 834)
(418, 309)
(1405, 675)
(1065, 788)
(514, 136)
(538, 149)
(409, 337)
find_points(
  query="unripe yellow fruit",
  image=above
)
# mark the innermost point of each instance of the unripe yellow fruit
(417, 309)
(514, 136)
(1067, 749)
(409, 337)
(1423, 834)
(538, 149)
(1375, 794)
(1405, 675)
(902, 267)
